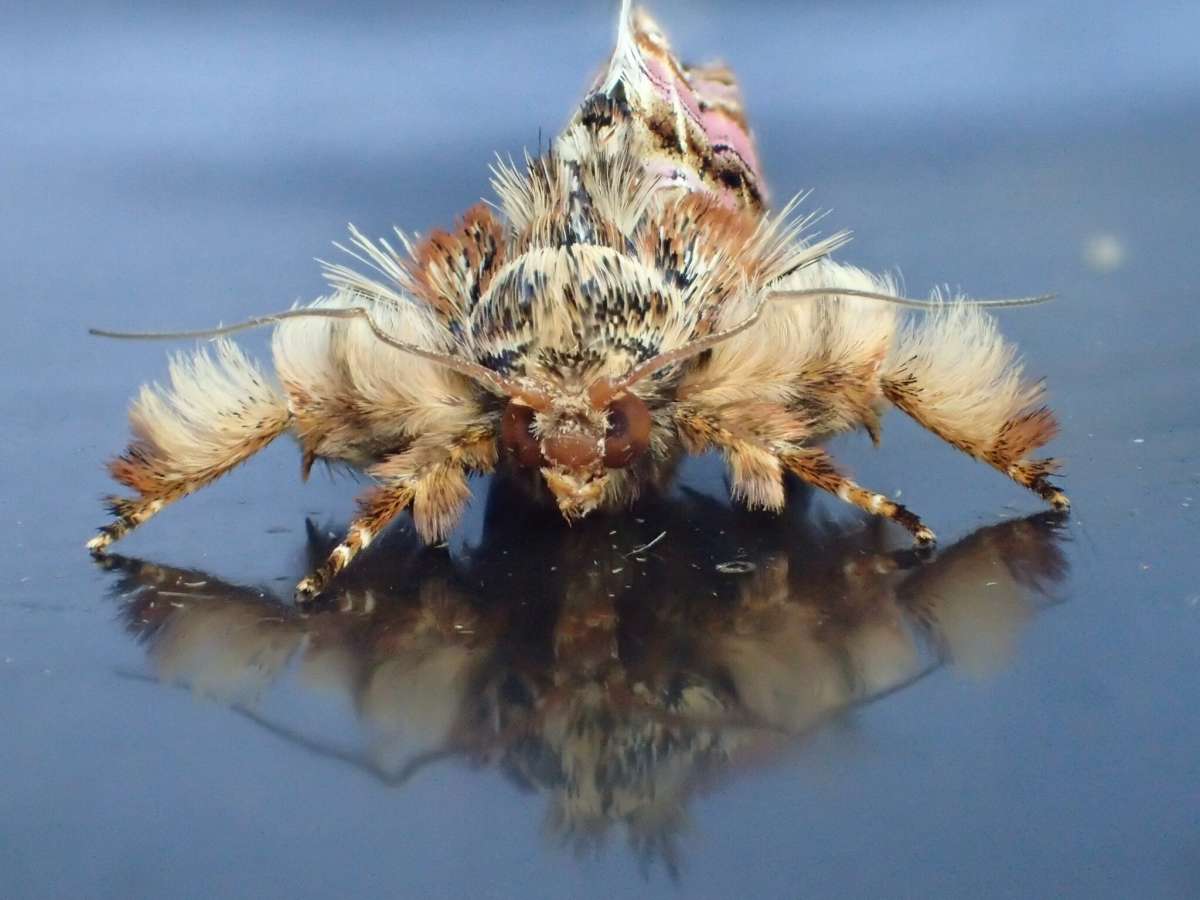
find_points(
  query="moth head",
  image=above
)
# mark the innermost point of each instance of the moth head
(576, 439)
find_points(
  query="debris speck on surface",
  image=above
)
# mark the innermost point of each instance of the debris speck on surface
(736, 567)
(646, 546)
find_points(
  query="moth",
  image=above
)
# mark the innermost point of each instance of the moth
(629, 300)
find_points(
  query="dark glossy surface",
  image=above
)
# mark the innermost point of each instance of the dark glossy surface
(753, 705)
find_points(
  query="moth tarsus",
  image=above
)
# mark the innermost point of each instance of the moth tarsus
(628, 300)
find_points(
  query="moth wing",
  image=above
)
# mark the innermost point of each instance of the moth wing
(687, 122)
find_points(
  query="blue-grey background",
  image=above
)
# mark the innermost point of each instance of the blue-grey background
(164, 165)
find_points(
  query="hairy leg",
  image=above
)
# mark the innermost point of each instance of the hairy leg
(955, 375)
(431, 477)
(376, 509)
(814, 466)
(218, 412)
(757, 471)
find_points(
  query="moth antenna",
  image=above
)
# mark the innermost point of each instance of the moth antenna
(695, 348)
(688, 350)
(222, 330)
(910, 303)
(472, 370)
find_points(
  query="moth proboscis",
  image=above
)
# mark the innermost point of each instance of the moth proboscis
(628, 301)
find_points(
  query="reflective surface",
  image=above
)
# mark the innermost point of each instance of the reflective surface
(612, 682)
(752, 705)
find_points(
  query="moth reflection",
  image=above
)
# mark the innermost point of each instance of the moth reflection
(613, 679)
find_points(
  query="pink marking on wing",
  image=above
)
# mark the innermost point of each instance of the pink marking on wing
(662, 76)
(723, 130)
(717, 91)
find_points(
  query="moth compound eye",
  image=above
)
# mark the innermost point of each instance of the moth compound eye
(628, 431)
(516, 433)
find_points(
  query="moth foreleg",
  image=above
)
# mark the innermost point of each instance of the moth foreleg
(816, 467)
(955, 375)
(431, 477)
(218, 412)
(376, 509)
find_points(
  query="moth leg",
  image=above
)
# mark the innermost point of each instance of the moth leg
(757, 471)
(956, 376)
(431, 477)
(816, 467)
(376, 509)
(218, 412)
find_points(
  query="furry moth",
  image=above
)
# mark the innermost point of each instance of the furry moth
(628, 301)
